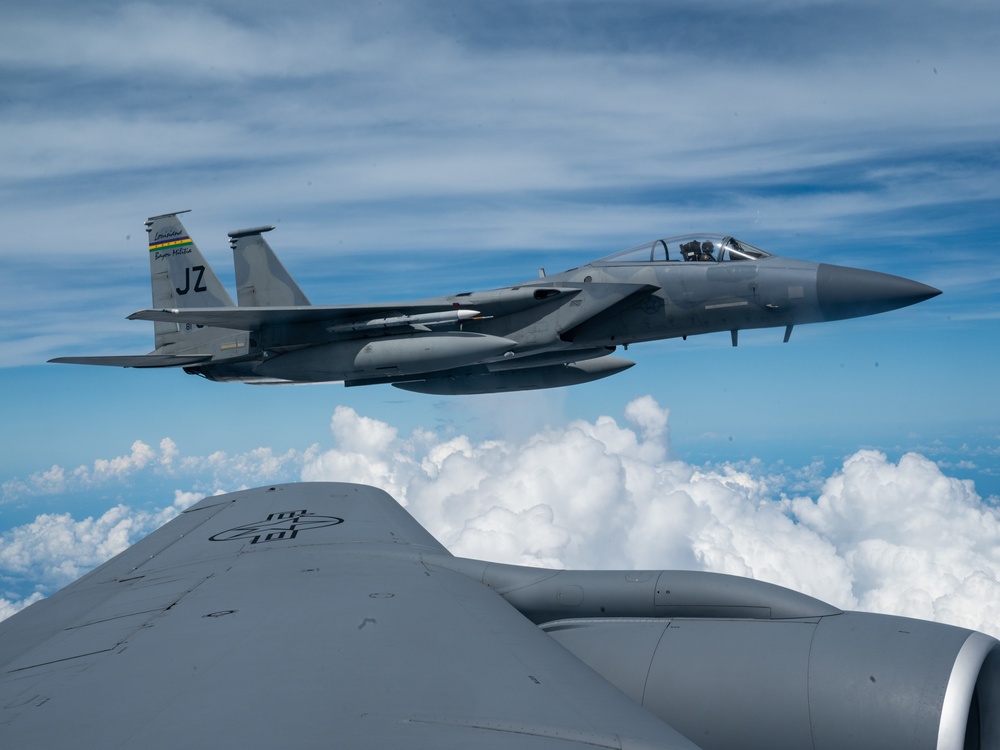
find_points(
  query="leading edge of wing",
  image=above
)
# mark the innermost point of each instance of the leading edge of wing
(298, 615)
(495, 302)
(254, 318)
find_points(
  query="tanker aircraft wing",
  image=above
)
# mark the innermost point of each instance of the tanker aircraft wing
(316, 615)
(323, 615)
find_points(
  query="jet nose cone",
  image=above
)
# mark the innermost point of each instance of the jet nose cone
(852, 292)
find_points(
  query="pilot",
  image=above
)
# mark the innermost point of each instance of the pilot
(690, 250)
(706, 251)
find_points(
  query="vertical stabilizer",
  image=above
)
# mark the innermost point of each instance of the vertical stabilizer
(261, 279)
(181, 277)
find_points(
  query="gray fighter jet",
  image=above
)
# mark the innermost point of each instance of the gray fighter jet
(548, 332)
(323, 615)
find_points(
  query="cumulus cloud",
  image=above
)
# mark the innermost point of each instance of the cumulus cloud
(9, 607)
(258, 466)
(914, 539)
(59, 549)
(899, 537)
(896, 537)
(55, 549)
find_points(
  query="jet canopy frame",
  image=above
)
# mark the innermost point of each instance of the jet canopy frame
(702, 248)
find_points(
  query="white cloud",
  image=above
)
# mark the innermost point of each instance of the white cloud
(184, 500)
(890, 537)
(56, 548)
(473, 132)
(9, 606)
(145, 37)
(915, 540)
(121, 466)
(900, 538)
(256, 466)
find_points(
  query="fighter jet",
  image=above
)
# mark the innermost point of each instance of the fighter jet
(548, 332)
(323, 615)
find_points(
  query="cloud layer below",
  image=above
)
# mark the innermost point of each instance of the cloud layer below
(895, 537)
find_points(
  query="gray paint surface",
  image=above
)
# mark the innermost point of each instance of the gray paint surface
(323, 615)
(549, 332)
(327, 634)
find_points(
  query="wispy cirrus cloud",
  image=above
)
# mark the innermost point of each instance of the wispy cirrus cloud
(582, 128)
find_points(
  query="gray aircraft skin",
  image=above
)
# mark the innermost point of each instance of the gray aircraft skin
(549, 332)
(323, 615)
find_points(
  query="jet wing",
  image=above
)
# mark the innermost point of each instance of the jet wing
(358, 317)
(254, 318)
(624, 296)
(298, 616)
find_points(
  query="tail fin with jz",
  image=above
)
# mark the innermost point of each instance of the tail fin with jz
(261, 279)
(181, 278)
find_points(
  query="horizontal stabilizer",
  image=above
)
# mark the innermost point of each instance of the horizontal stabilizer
(137, 360)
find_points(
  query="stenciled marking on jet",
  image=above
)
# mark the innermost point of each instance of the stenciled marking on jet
(176, 251)
(165, 234)
(277, 527)
(651, 305)
(198, 286)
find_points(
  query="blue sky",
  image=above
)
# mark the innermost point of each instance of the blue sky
(413, 149)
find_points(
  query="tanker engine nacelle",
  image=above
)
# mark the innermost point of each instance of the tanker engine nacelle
(735, 663)
(854, 680)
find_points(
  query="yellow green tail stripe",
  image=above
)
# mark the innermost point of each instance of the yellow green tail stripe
(179, 242)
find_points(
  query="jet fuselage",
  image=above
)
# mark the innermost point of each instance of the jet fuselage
(547, 332)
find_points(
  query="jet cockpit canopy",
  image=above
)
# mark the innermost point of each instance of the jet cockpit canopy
(705, 248)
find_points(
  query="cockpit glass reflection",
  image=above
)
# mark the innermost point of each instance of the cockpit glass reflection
(689, 248)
